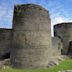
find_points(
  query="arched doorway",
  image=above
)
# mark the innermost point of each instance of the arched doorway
(70, 48)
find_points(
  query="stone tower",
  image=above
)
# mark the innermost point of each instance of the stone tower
(64, 32)
(32, 36)
(5, 41)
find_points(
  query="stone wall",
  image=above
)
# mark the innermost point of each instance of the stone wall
(64, 32)
(32, 36)
(5, 41)
(56, 46)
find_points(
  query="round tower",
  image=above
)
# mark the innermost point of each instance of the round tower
(5, 41)
(32, 36)
(64, 32)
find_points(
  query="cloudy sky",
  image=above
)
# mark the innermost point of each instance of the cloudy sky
(60, 10)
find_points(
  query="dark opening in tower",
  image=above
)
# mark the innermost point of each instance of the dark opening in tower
(70, 48)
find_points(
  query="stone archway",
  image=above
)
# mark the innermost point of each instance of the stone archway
(70, 48)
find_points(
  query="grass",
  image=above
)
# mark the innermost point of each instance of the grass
(64, 65)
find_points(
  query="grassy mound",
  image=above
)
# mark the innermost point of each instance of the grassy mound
(64, 65)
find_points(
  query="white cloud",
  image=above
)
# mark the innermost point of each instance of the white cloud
(58, 20)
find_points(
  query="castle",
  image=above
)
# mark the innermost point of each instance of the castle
(29, 43)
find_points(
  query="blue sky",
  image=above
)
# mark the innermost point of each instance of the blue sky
(60, 10)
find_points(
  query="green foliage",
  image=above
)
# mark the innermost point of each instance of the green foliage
(64, 65)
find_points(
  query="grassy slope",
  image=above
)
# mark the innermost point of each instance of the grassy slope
(65, 65)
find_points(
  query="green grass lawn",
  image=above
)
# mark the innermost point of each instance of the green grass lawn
(64, 65)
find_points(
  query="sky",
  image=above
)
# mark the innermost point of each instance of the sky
(59, 10)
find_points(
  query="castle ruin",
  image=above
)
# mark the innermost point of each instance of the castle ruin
(31, 36)
(29, 44)
(5, 41)
(63, 31)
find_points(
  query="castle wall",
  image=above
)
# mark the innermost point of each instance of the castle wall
(32, 36)
(56, 46)
(5, 41)
(64, 32)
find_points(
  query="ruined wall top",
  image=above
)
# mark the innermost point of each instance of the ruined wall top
(25, 6)
(5, 33)
(29, 9)
(63, 25)
(31, 17)
(5, 29)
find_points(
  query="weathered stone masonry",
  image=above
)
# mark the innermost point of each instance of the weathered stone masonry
(57, 46)
(32, 36)
(64, 32)
(5, 41)
(29, 44)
